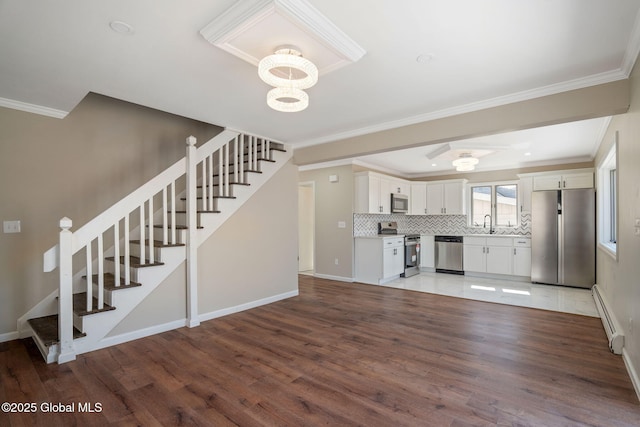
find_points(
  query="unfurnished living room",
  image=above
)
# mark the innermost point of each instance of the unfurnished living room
(306, 212)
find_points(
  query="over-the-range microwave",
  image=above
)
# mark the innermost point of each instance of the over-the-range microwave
(399, 203)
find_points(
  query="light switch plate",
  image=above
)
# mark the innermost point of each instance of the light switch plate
(342, 224)
(11, 226)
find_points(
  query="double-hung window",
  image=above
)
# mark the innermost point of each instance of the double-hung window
(608, 202)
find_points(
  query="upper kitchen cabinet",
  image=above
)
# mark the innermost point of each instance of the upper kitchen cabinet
(445, 198)
(525, 187)
(373, 192)
(418, 199)
(563, 180)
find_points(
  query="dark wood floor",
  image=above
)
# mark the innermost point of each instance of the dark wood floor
(341, 354)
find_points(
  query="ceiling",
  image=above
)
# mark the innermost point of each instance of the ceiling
(421, 59)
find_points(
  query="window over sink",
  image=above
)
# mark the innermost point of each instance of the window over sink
(494, 205)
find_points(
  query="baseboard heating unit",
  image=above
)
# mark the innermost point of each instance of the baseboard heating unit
(611, 326)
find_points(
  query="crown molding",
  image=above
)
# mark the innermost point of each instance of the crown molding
(526, 95)
(33, 108)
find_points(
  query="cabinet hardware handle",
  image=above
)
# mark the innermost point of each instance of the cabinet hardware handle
(483, 249)
(564, 184)
(487, 250)
(514, 251)
(559, 184)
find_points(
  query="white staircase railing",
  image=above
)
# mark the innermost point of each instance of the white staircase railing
(134, 220)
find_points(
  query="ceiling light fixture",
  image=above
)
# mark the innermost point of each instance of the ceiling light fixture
(288, 72)
(465, 162)
(287, 99)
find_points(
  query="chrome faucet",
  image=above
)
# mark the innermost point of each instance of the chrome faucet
(491, 230)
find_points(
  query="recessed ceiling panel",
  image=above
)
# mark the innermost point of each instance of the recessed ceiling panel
(253, 29)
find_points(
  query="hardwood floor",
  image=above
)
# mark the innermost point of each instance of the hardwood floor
(341, 354)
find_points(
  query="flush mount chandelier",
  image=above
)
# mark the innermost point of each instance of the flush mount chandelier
(465, 162)
(289, 73)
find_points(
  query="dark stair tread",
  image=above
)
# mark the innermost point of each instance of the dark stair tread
(135, 262)
(46, 328)
(199, 211)
(215, 197)
(80, 305)
(183, 227)
(231, 183)
(157, 243)
(110, 282)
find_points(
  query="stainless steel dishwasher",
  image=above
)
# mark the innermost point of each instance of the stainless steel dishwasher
(449, 254)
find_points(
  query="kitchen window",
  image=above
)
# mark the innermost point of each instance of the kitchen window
(608, 202)
(494, 205)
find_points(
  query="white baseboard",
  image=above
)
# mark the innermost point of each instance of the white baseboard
(140, 333)
(633, 374)
(330, 277)
(9, 336)
(246, 306)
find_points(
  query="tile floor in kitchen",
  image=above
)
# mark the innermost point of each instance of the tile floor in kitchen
(525, 294)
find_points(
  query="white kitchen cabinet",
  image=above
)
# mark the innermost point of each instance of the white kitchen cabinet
(522, 257)
(418, 199)
(488, 254)
(563, 181)
(378, 259)
(392, 262)
(445, 198)
(427, 252)
(373, 192)
(525, 187)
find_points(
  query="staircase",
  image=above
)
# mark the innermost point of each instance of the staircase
(136, 244)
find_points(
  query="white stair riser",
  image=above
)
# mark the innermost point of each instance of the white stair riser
(181, 235)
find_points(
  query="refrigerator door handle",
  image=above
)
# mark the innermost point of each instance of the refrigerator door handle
(560, 250)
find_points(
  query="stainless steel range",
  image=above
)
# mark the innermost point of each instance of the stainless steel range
(411, 255)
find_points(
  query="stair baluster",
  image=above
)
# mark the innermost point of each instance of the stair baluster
(127, 253)
(100, 276)
(89, 270)
(152, 255)
(116, 254)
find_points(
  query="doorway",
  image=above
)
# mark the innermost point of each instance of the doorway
(306, 227)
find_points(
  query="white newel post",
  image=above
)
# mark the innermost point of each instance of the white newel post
(192, 244)
(65, 293)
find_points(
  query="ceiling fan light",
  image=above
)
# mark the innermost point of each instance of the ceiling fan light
(292, 59)
(466, 162)
(296, 99)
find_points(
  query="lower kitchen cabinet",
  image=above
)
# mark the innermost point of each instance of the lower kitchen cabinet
(522, 257)
(497, 255)
(487, 254)
(427, 252)
(378, 259)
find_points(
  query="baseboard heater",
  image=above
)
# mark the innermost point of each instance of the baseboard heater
(611, 326)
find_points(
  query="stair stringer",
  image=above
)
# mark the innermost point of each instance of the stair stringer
(98, 326)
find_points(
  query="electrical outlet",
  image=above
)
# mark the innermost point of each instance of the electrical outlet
(11, 226)
(336, 261)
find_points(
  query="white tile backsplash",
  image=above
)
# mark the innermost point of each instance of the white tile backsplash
(367, 225)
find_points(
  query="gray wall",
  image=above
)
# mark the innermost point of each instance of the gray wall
(620, 279)
(333, 203)
(251, 257)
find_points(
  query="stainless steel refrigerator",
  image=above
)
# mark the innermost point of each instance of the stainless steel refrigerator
(563, 237)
